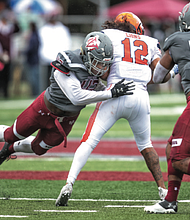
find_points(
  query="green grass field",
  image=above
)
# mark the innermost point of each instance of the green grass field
(97, 199)
(90, 200)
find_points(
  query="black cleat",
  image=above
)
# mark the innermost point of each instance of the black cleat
(5, 153)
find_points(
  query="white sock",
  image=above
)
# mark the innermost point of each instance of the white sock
(80, 158)
(2, 129)
(24, 145)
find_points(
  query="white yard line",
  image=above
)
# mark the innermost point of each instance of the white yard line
(167, 111)
(124, 206)
(12, 216)
(85, 200)
(65, 210)
(88, 200)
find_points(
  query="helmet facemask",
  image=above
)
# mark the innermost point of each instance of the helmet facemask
(97, 53)
(100, 67)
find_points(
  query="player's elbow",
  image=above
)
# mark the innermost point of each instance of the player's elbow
(75, 100)
(156, 79)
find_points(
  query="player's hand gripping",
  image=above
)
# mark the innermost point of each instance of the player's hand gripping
(122, 88)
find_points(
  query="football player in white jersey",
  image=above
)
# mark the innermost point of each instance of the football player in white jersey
(135, 57)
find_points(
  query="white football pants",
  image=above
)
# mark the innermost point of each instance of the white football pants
(134, 108)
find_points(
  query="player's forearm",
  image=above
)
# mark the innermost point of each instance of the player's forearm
(72, 89)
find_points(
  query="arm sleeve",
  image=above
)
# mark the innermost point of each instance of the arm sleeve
(71, 87)
(159, 73)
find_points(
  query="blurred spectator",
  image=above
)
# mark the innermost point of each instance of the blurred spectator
(146, 22)
(8, 26)
(32, 59)
(166, 28)
(2, 58)
(54, 37)
(27, 16)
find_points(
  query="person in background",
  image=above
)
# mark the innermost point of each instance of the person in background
(8, 27)
(177, 51)
(53, 36)
(32, 59)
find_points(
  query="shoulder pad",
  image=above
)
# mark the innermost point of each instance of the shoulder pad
(68, 61)
(60, 64)
(59, 67)
(170, 40)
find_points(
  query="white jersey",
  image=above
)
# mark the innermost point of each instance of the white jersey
(133, 55)
(133, 65)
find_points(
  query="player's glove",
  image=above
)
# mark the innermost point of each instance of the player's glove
(174, 71)
(122, 88)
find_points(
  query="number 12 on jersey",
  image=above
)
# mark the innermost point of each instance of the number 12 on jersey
(141, 51)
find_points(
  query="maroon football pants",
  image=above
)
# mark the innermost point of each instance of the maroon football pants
(38, 117)
(180, 139)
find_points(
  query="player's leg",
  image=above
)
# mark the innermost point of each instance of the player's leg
(102, 119)
(50, 136)
(152, 161)
(18, 146)
(35, 117)
(99, 123)
(178, 159)
(140, 125)
(182, 165)
(169, 204)
(80, 158)
(14, 141)
(179, 156)
(168, 150)
(25, 124)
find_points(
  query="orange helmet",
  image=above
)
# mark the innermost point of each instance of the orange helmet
(132, 19)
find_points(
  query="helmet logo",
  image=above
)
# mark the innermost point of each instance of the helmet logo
(185, 9)
(93, 43)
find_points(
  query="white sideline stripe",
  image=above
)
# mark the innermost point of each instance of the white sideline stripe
(86, 200)
(65, 211)
(167, 111)
(124, 206)
(12, 216)
(98, 157)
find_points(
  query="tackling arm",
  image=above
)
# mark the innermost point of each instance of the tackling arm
(71, 87)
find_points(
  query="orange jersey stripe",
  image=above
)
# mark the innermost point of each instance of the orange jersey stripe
(90, 123)
(91, 120)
